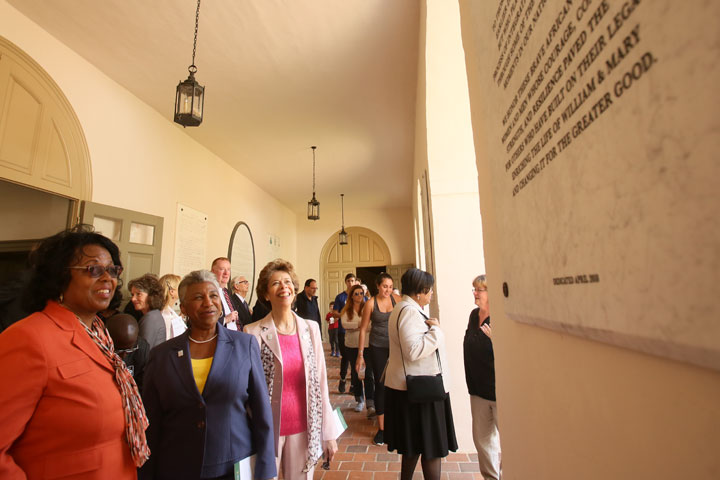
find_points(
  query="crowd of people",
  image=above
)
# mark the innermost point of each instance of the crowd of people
(189, 381)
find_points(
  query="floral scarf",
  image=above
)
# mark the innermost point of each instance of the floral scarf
(315, 410)
(135, 418)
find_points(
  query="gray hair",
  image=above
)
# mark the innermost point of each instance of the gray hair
(193, 278)
(480, 281)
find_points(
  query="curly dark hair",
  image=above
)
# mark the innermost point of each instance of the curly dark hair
(150, 284)
(278, 265)
(51, 257)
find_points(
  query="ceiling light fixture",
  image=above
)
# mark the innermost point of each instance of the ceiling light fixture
(190, 95)
(313, 205)
(343, 234)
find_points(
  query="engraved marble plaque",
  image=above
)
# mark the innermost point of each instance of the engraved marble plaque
(600, 127)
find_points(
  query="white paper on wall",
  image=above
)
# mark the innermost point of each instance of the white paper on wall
(190, 240)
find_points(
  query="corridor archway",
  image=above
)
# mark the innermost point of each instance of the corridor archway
(365, 248)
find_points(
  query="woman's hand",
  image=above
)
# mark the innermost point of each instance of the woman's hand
(330, 449)
(359, 364)
(432, 322)
(486, 329)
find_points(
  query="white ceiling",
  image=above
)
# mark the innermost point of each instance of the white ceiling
(279, 76)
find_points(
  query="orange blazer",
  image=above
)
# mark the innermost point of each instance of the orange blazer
(61, 412)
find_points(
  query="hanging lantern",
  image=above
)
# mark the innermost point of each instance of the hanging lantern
(313, 211)
(343, 236)
(189, 94)
(189, 101)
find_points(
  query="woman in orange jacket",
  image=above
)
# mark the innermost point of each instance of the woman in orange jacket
(70, 408)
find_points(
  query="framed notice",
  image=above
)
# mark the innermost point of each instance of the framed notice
(190, 240)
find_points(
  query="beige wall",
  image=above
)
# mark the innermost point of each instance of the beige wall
(144, 162)
(577, 409)
(452, 177)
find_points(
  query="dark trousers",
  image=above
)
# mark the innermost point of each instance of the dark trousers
(378, 357)
(334, 344)
(357, 385)
(343, 355)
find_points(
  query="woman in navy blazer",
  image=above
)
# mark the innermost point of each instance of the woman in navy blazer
(205, 395)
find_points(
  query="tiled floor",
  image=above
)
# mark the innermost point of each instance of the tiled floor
(359, 459)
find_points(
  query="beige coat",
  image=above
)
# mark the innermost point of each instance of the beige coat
(418, 346)
(264, 332)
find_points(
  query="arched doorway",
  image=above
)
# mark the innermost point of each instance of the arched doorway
(42, 144)
(365, 248)
(45, 168)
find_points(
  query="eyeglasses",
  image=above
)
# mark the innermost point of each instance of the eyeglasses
(127, 350)
(97, 271)
(358, 293)
(478, 290)
(242, 281)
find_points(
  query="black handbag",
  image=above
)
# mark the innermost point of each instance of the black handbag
(423, 388)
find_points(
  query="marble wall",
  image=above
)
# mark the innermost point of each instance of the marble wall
(597, 120)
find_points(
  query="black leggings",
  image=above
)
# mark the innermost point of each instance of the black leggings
(378, 356)
(431, 467)
(343, 355)
(357, 385)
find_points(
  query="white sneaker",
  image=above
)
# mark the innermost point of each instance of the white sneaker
(360, 406)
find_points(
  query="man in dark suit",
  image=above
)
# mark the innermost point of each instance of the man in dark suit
(221, 268)
(240, 286)
(306, 303)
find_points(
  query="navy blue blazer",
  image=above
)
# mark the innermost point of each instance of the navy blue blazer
(202, 436)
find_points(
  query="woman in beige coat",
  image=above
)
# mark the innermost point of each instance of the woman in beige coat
(422, 431)
(294, 363)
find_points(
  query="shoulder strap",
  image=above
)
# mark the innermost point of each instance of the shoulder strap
(402, 357)
(392, 299)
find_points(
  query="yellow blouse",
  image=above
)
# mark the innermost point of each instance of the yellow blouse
(201, 369)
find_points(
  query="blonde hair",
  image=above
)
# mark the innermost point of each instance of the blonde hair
(480, 282)
(169, 281)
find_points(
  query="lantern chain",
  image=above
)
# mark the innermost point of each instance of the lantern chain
(192, 68)
(313, 149)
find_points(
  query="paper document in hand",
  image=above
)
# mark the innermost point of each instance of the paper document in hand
(339, 420)
(245, 468)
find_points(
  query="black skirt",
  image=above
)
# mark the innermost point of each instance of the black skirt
(418, 428)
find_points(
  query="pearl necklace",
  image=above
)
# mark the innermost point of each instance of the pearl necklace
(203, 341)
(287, 332)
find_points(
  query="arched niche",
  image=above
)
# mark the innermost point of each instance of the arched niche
(42, 144)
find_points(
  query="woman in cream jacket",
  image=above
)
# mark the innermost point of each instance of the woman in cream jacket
(417, 347)
(294, 363)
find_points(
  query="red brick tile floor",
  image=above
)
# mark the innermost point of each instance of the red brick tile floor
(358, 459)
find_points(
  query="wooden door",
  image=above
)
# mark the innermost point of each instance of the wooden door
(138, 235)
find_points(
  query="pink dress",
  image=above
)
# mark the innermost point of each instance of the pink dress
(293, 410)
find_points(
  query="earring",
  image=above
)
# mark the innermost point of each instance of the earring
(61, 298)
